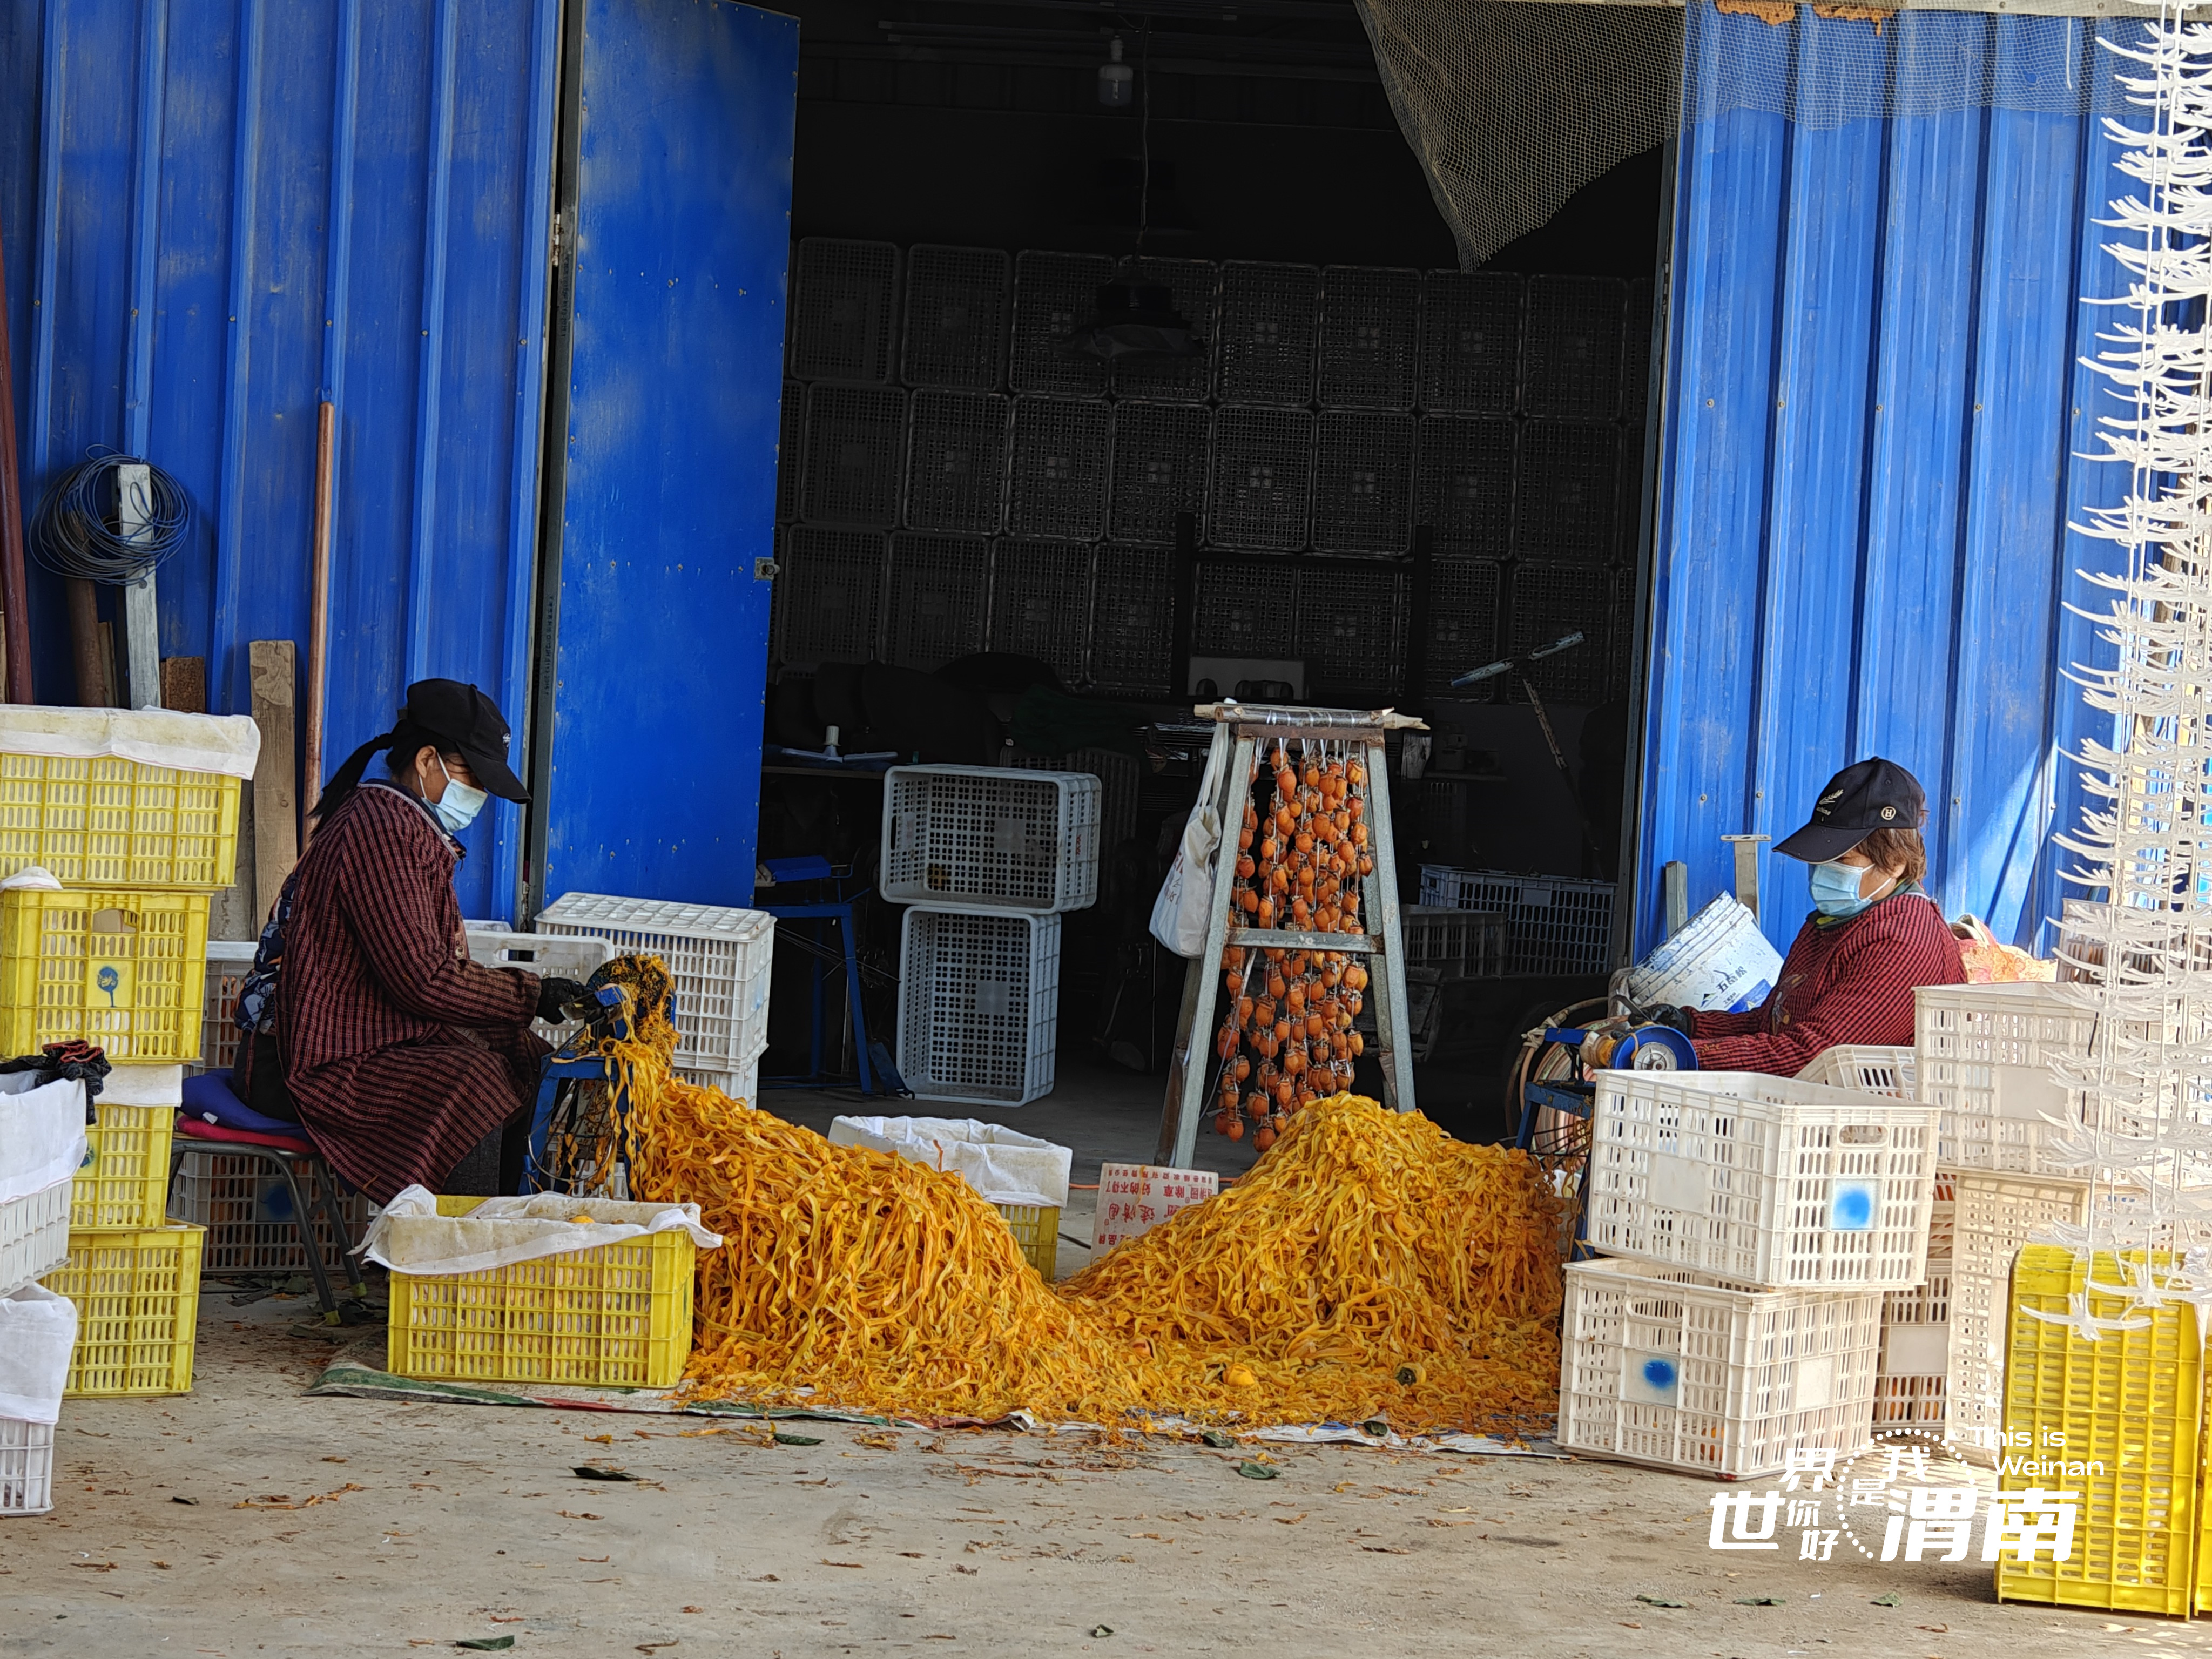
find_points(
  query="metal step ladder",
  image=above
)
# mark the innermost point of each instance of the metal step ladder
(1241, 730)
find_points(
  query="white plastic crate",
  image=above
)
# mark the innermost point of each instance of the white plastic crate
(1915, 1348)
(1554, 924)
(719, 960)
(228, 962)
(978, 1004)
(26, 1467)
(33, 1235)
(1984, 1055)
(990, 837)
(1761, 1180)
(549, 955)
(1461, 944)
(1670, 1368)
(1865, 1067)
(246, 1209)
(1995, 1214)
(743, 1083)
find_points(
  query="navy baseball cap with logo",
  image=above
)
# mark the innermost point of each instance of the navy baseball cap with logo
(1872, 794)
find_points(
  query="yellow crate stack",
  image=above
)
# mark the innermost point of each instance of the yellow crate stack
(118, 959)
(2117, 1421)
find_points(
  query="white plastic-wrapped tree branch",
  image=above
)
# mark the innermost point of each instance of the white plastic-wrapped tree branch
(2142, 1091)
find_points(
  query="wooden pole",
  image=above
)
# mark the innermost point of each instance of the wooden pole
(15, 592)
(319, 623)
(85, 654)
(275, 665)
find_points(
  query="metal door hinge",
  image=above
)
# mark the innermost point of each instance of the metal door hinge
(765, 570)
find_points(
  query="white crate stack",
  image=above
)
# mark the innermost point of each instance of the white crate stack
(42, 1145)
(989, 858)
(1983, 1056)
(1753, 1227)
(720, 959)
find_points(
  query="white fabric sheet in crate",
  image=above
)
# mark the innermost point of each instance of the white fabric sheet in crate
(718, 960)
(1002, 1164)
(1672, 1369)
(38, 1328)
(411, 1236)
(42, 1138)
(990, 836)
(228, 745)
(1762, 1180)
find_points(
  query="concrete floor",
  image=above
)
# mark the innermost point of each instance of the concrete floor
(249, 1518)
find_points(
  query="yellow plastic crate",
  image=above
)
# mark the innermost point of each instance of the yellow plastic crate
(2129, 1407)
(113, 823)
(138, 1298)
(1036, 1230)
(124, 970)
(124, 1181)
(614, 1316)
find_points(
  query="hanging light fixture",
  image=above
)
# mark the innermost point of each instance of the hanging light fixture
(1117, 81)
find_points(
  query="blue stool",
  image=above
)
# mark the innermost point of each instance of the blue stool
(838, 908)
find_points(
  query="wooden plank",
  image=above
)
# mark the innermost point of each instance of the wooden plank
(183, 684)
(275, 668)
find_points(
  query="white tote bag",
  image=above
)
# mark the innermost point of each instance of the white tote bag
(1185, 905)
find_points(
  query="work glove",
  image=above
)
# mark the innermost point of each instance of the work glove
(1674, 1018)
(554, 996)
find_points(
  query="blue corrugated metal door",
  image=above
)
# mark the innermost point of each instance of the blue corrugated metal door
(683, 224)
(1873, 419)
(217, 215)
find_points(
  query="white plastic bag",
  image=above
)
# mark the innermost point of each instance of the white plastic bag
(42, 1140)
(1181, 913)
(38, 1329)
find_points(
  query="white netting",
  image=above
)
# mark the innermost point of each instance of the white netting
(1513, 107)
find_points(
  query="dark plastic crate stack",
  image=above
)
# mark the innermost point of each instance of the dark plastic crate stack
(1463, 483)
(1363, 492)
(1635, 353)
(856, 452)
(1117, 775)
(829, 596)
(790, 450)
(957, 303)
(1548, 603)
(844, 308)
(1266, 351)
(956, 462)
(1571, 348)
(1194, 285)
(1566, 477)
(1369, 330)
(1470, 353)
(1053, 292)
(1462, 625)
(1241, 608)
(1160, 455)
(1626, 640)
(1554, 924)
(1057, 487)
(1628, 496)
(1040, 603)
(1263, 479)
(939, 590)
(1351, 629)
(1132, 620)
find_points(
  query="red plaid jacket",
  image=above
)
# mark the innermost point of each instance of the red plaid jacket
(1848, 984)
(400, 1052)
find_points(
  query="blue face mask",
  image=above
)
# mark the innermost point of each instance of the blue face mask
(1836, 890)
(458, 807)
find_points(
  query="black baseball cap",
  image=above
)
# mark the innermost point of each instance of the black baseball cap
(1872, 794)
(466, 720)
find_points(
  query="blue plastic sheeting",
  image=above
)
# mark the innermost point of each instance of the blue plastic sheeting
(1873, 420)
(684, 226)
(218, 215)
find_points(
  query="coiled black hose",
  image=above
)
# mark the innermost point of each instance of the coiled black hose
(76, 532)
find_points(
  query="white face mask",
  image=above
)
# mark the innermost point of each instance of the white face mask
(458, 807)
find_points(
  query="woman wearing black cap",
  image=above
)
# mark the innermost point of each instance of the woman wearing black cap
(368, 1021)
(1872, 936)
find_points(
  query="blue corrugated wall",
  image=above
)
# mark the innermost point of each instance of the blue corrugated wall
(218, 214)
(1873, 420)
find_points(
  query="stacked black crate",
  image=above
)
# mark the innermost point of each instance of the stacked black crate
(1464, 471)
(841, 454)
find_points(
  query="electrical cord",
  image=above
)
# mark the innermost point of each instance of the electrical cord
(72, 533)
